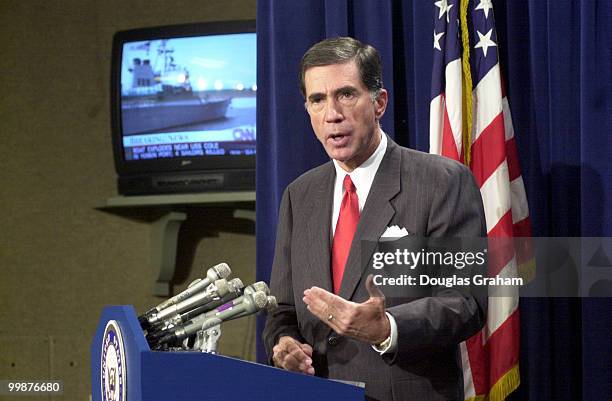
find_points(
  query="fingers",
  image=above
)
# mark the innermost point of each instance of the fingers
(365, 321)
(321, 303)
(292, 355)
(315, 303)
(307, 349)
(324, 304)
(329, 308)
(321, 297)
(372, 289)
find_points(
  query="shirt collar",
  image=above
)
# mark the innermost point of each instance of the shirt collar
(363, 175)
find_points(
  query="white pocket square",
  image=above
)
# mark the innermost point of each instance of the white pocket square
(393, 233)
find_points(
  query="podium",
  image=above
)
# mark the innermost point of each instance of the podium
(123, 363)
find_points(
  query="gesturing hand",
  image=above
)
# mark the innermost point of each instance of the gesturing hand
(292, 355)
(366, 321)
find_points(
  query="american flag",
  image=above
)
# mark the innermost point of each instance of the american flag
(470, 122)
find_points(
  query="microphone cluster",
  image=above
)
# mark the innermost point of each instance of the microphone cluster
(201, 308)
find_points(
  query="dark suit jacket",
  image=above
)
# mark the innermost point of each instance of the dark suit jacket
(429, 196)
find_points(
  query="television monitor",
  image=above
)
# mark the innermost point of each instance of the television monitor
(183, 101)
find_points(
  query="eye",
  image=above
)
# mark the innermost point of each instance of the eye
(316, 100)
(347, 95)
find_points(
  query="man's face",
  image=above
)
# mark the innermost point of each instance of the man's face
(342, 113)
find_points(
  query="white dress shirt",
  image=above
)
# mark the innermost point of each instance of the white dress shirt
(363, 177)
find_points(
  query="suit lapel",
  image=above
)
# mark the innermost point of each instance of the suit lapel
(319, 229)
(376, 215)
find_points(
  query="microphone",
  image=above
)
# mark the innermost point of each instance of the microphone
(249, 304)
(271, 304)
(258, 286)
(220, 271)
(212, 308)
(218, 289)
(235, 286)
(209, 308)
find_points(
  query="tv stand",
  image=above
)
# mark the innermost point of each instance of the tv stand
(169, 214)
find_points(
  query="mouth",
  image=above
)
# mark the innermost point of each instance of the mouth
(339, 138)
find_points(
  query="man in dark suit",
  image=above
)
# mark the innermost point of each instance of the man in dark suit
(331, 320)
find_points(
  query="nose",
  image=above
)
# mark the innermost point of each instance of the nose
(333, 112)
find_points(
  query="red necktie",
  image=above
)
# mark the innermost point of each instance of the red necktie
(345, 231)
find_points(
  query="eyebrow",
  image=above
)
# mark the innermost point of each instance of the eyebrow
(320, 95)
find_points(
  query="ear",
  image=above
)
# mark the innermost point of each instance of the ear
(380, 103)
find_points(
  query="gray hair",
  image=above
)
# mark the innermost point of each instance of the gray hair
(343, 50)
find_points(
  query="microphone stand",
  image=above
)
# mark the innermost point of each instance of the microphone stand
(207, 340)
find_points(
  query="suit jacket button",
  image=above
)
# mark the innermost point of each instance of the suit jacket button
(332, 341)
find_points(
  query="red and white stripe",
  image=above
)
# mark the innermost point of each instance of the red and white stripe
(449, 122)
(494, 351)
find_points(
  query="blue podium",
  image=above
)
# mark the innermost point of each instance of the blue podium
(123, 367)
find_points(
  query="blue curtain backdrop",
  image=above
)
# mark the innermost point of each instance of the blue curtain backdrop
(557, 59)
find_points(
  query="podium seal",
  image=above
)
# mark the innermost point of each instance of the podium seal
(112, 364)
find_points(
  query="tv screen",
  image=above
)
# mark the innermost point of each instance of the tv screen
(184, 108)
